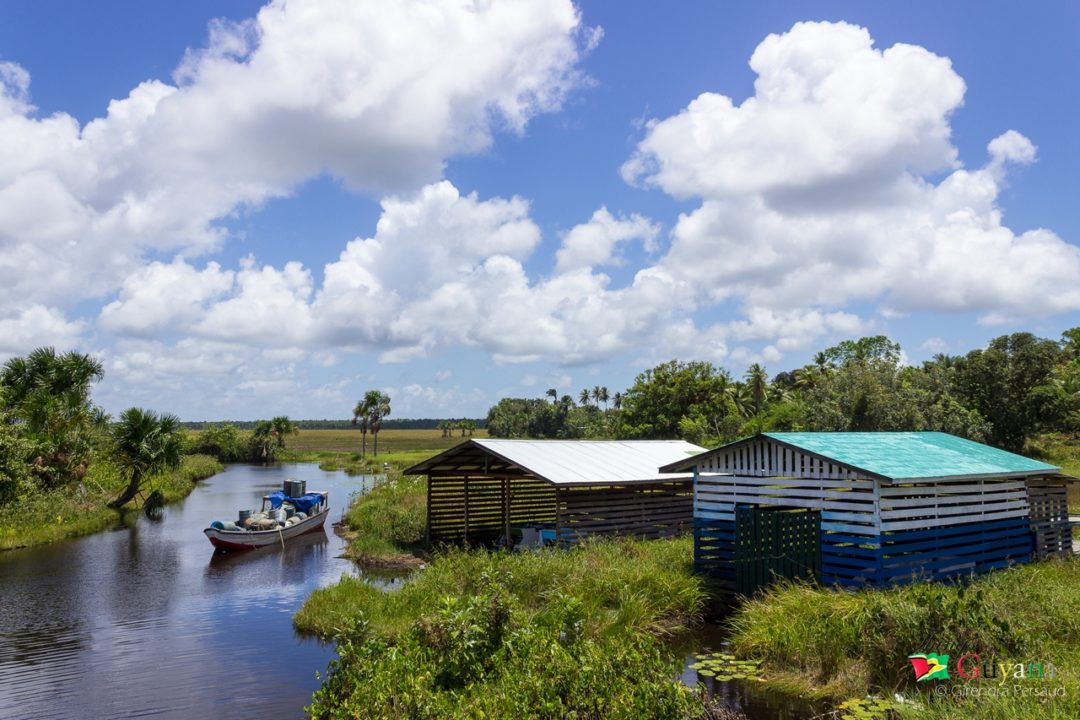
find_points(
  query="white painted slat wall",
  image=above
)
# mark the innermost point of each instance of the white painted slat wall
(766, 473)
(767, 459)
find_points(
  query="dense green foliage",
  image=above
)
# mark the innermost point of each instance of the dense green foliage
(47, 397)
(853, 642)
(226, 442)
(549, 634)
(664, 399)
(1017, 388)
(61, 461)
(389, 522)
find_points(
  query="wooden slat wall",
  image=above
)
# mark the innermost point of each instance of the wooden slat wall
(449, 505)
(958, 502)
(643, 510)
(761, 458)
(846, 505)
(932, 553)
(1049, 517)
(714, 551)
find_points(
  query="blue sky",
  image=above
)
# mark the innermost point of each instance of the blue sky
(273, 211)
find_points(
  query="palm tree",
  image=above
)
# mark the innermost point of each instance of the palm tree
(361, 416)
(757, 385)
(583, 398)
(553, 394)
(146, 443)
(378, 407)
(603, 397)
(617, 401)
(263, 440)
(50, 395)
(282, 426)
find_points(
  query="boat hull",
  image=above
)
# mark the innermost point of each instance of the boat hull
(252, 539)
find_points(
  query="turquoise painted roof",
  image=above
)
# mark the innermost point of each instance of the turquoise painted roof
(910, 455)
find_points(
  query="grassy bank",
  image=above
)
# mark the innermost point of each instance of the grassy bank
(548, 634)
(848, 644)
(60, 514)
(385, 527)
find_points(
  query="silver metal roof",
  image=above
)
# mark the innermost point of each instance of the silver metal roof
(585, 462)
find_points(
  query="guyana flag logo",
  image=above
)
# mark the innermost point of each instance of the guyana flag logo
(930, 666)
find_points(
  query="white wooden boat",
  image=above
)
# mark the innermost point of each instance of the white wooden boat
(241, 539)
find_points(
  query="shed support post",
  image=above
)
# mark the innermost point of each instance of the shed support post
(506, 510)
(558, 514)
(427, 531)
(465, 481)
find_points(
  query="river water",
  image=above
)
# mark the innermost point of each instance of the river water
(146, 621)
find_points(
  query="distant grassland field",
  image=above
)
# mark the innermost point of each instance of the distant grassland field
(390, 441)
(340, 449)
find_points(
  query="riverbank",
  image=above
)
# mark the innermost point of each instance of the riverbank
(841, 644)
(66, 513)
(538, 634)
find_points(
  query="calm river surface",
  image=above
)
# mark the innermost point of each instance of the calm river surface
(146, 621)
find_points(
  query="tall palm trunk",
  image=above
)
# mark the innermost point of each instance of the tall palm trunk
(129, 492)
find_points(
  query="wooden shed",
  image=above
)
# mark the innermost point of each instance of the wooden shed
(484, 489)
(871, 508)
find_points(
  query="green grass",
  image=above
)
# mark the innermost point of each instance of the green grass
(66, 513)
(386, 526)
(633, 585)
(390, 441)
(552, 633)
(340, 449)
(847, 644)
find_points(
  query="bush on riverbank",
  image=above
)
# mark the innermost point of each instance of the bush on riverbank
(387, 524)
(850, 643)
(45, 517)
(540, 634)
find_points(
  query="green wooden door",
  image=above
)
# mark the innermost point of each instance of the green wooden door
(773, 543)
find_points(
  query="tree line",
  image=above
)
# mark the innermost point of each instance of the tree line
(1019, 386)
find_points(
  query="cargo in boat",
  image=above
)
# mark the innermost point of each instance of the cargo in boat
(284, 514)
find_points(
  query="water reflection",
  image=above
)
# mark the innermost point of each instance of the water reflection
(148, 620)
(744, 696)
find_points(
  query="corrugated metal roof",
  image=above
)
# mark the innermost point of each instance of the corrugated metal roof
(913, 455)
(583, 462)
(902, 456)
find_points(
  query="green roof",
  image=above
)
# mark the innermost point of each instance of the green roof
(912, 455)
